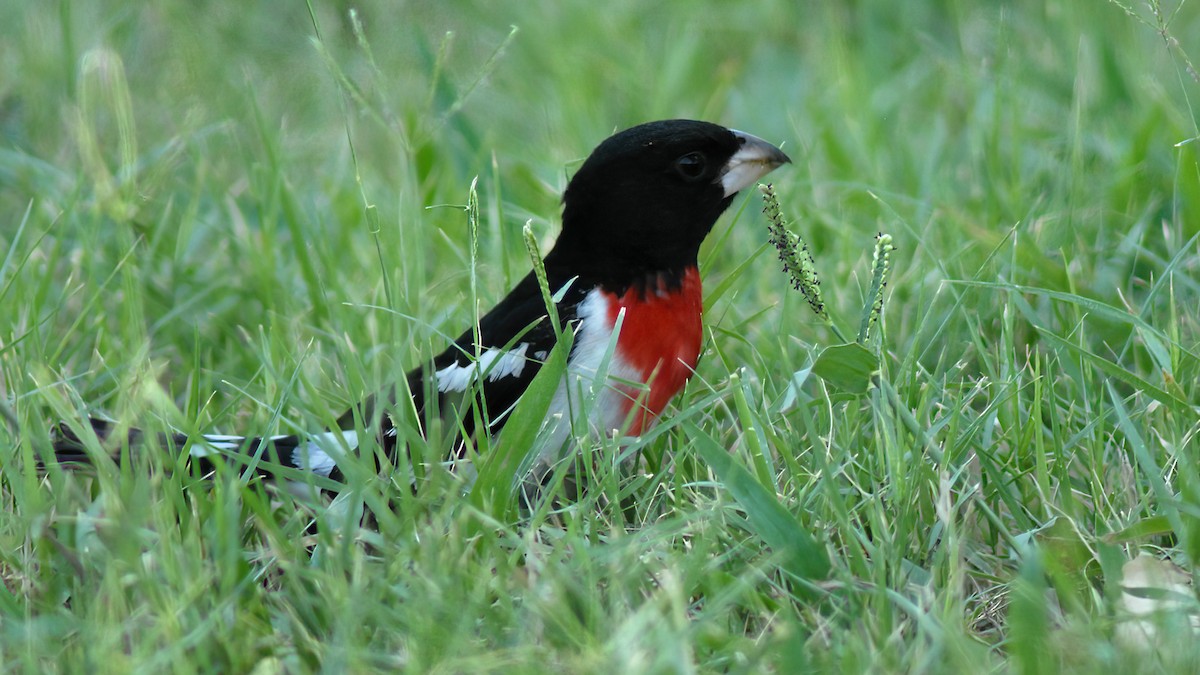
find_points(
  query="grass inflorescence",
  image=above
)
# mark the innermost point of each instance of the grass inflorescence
(881, 264)
(801, 269)
(797, 261)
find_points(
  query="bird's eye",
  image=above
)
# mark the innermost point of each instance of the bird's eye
(691, 166)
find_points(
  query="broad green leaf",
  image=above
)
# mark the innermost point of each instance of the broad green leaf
(1152, 526)
(848, 367)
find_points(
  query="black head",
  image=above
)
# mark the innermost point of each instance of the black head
(645, 199)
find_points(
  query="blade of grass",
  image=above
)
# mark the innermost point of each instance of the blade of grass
(801, 555)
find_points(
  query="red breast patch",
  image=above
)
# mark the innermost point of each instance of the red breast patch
(660, 339)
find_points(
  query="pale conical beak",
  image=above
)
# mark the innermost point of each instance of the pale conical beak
(755, 159)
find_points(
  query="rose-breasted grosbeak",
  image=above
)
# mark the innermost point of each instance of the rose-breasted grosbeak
(634, 216)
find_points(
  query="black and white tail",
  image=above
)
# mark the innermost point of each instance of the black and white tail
(316, 453)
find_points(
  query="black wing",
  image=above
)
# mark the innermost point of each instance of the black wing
(516, 329)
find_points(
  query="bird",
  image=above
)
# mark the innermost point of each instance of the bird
(625, 281)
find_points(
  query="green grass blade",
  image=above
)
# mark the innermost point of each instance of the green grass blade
(800, 553)
(1113, 370)
(494, 487)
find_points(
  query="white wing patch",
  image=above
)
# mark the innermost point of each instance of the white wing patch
(496, 363)
(317, 455)
(221, 443)
(217, 442)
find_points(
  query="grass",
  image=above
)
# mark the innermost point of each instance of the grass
(237, 217)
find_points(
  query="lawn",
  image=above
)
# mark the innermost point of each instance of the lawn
(242, 217)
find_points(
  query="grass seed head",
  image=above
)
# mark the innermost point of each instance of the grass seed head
(793, 253)
(881, 263)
